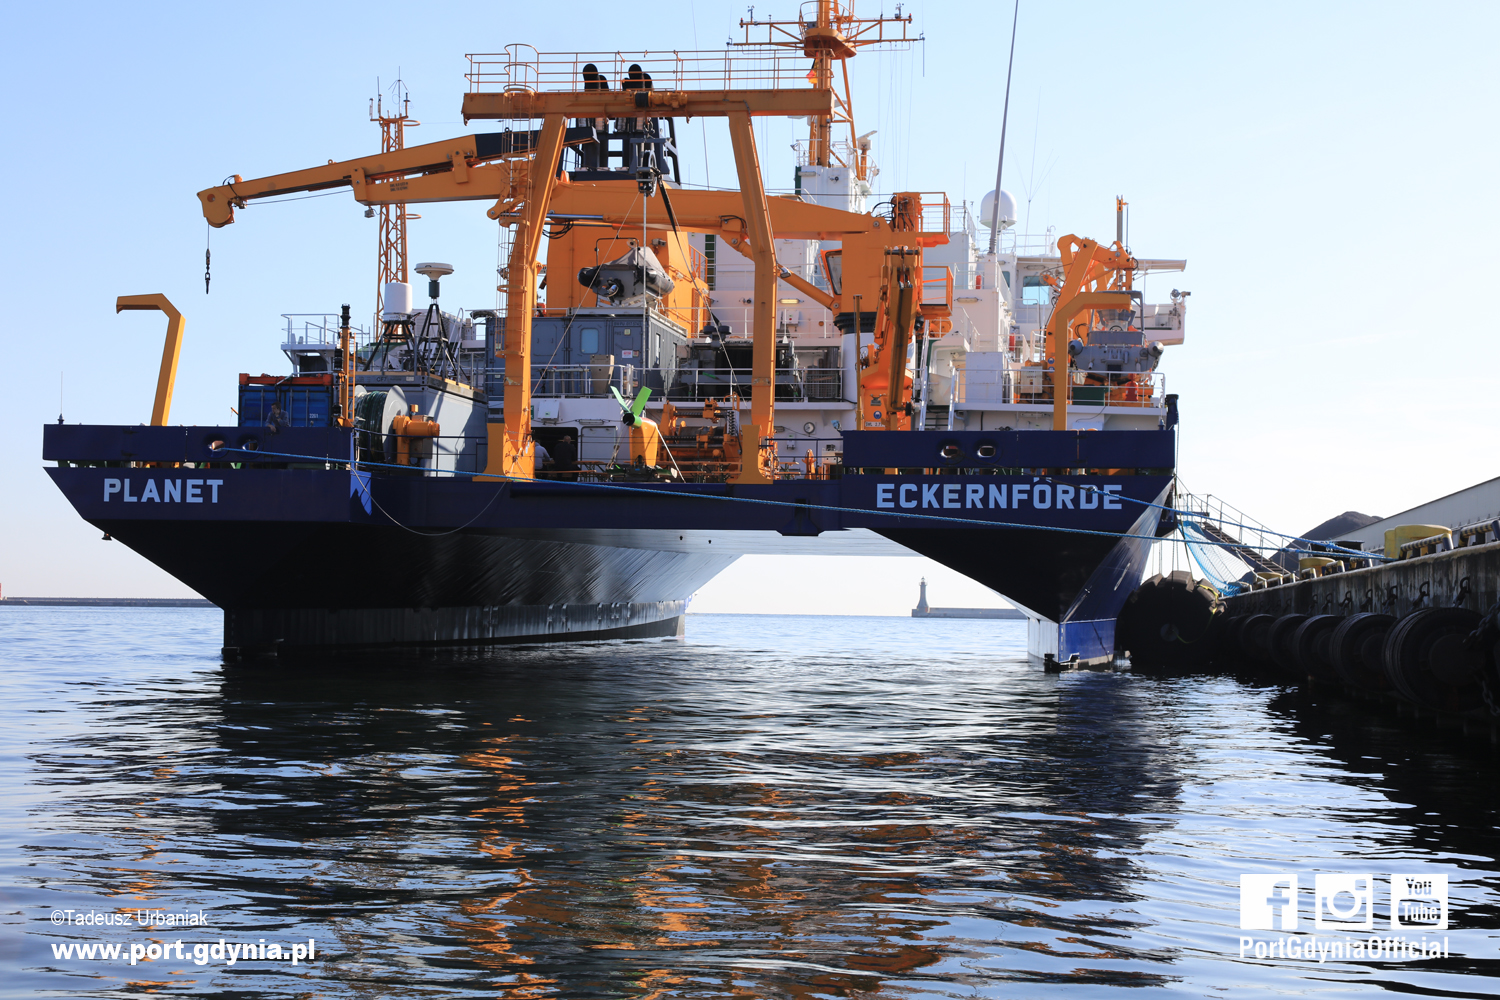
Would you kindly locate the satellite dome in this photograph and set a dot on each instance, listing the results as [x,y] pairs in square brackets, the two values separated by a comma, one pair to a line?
[1007,209]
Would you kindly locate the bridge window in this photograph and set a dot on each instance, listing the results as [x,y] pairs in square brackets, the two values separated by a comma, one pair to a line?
[1034,292]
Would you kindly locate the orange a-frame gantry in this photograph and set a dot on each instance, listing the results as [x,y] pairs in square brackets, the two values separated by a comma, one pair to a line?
[554,109]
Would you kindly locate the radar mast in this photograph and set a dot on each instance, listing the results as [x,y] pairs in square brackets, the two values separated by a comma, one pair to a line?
[393,217]
[833,35]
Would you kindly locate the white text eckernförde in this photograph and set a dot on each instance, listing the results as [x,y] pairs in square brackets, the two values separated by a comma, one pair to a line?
[1013,496]
[172,491]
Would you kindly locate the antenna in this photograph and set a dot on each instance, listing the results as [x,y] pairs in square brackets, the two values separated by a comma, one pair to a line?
[433,272]
[393,218]
[832,35]
[1004,121]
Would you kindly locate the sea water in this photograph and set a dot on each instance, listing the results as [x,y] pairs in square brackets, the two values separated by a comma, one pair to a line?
[769,807]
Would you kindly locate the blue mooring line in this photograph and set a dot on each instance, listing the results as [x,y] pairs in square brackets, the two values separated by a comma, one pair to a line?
[1296,538]
[968,522]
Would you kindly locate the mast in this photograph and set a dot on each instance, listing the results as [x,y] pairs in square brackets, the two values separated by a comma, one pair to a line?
[833,35]
[1004,121]
[393,217]
[820,128]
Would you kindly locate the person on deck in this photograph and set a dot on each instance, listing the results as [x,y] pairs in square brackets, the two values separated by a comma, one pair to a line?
[565,458]
[593,79]
[636,79]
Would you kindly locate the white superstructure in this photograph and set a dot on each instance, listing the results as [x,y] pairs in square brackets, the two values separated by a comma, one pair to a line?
[986,372]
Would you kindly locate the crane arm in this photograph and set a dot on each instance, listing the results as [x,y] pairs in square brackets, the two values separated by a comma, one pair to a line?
[619,203]
[462,169]
[456,169]
[741,243]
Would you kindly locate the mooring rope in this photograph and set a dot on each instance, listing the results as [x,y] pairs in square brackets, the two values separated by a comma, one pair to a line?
[791,504]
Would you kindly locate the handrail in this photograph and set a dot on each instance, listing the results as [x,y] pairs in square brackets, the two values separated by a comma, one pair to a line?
[937,212]
[522,67]
[937,286]
[680,383]
[1031,384]
[326,325]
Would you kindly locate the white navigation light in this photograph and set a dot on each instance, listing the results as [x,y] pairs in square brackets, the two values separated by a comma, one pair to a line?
[1007,209]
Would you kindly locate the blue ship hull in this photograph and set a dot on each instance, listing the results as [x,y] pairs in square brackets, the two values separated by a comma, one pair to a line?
[300,552]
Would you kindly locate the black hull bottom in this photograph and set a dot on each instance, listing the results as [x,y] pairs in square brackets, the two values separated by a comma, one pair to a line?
[255,632]
[1073,584]
[1042,571]
[326,559]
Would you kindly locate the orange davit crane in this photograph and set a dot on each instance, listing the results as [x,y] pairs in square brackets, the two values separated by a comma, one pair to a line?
[1094,277]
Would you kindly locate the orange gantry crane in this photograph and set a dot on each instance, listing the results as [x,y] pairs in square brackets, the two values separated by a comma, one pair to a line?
[520,173]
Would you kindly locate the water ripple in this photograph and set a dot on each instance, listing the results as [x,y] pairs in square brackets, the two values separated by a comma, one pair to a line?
[799,807]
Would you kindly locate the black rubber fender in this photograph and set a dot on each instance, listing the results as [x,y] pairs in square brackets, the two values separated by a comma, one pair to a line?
[1311,646]
[1279,646]
[1168,624]
[1425,658]
[1255,634]
[1225,630]
[1355,649]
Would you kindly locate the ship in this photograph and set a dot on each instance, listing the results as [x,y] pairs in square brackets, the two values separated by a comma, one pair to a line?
[672,377]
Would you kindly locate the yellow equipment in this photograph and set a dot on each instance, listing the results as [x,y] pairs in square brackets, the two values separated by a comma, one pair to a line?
[414,435]
[1404,533]
[166,379]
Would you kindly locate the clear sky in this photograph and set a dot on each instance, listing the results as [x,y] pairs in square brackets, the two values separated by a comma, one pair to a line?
[1328,169]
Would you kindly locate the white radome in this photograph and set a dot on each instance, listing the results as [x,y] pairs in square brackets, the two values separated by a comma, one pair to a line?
[395,300]
[1007,209]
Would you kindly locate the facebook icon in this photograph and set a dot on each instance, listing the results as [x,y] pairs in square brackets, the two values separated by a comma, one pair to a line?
[1268,902]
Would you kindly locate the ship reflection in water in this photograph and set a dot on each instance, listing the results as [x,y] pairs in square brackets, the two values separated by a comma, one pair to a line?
[798,807]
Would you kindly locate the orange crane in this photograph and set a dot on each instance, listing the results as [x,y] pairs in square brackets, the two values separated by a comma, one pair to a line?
[463,169]
[1094,277]
[519,172]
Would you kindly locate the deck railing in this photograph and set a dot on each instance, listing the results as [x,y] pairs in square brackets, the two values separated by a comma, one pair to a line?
[937,286]
[318,330]
[1033,385]
[523,68]
[937,212]
[810,385]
